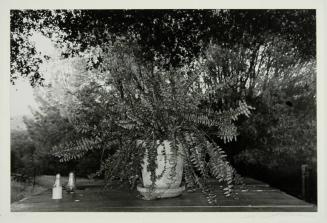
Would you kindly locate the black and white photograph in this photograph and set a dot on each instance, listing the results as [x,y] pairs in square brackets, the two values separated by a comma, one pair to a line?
[163,110]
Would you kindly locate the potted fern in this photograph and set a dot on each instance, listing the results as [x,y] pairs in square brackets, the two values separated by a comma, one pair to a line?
[155,118]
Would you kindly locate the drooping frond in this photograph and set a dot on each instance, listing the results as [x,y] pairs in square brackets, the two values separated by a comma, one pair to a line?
[75,149]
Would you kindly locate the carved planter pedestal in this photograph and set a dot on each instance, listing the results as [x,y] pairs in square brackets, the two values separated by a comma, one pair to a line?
[169,173]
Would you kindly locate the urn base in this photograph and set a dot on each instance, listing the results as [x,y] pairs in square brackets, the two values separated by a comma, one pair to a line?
[155,193]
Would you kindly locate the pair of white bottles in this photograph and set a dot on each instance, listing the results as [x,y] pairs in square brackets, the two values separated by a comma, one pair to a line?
[57,188]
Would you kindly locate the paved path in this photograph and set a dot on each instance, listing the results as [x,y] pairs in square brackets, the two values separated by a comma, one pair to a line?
[254,196]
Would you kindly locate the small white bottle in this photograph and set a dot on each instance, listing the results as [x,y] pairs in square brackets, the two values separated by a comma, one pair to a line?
[57,188]
[71,182]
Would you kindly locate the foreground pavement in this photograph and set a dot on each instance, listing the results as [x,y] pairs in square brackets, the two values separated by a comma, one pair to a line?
[253,196]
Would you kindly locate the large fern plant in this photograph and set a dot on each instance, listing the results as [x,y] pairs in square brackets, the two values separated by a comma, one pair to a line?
[124,100]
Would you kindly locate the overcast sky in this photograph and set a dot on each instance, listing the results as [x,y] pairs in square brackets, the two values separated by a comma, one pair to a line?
[21,97]
[21,94]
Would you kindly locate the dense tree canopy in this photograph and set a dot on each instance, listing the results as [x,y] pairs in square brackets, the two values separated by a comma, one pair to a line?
[170,37]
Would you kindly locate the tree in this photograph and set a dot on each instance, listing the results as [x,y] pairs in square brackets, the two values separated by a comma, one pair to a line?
[25,159]
[286,118]
[173,36]
[50,126]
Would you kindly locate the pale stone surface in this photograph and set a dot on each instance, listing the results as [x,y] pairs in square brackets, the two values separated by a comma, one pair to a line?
[169,173]
[170,167]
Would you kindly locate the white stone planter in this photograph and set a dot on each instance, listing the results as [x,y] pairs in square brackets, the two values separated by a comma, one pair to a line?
[169,173]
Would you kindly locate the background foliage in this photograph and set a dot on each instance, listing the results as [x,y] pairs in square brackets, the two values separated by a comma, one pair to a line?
[264,56]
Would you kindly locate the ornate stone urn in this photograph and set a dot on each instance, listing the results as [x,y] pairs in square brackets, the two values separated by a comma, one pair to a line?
[169,173]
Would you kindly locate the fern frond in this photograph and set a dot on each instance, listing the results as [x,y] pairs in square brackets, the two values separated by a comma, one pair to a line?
[227,132]
[75,149]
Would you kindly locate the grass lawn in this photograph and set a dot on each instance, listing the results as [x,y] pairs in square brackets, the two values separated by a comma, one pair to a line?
[20,190]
